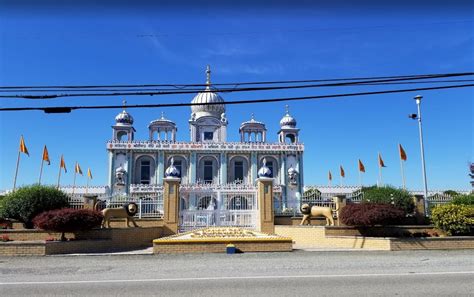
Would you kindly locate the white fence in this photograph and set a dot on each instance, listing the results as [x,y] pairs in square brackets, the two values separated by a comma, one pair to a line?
[195,219]
[149,205]
[230,205]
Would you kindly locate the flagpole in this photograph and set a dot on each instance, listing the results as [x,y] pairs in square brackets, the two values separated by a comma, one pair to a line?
[380,182]
[74,181]
[16,170]
[59,175]
[41,171]
[87,184]
[380,176]
[403,174]
[360,178]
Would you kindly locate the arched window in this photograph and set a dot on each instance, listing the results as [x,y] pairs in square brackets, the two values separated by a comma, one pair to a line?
[290,138]
[207,170]
[122,135]
[144,170]
[238,170]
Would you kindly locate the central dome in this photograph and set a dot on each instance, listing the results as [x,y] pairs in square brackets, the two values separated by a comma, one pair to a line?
[206,97]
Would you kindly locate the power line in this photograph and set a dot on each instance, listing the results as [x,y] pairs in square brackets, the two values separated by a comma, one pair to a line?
[226,90]
[66,109]
[432,75]
[200,90]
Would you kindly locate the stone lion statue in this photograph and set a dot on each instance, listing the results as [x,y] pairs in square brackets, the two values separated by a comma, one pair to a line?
[317,211]
[126,212]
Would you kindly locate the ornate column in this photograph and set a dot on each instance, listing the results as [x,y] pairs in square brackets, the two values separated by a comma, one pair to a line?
[111,171]
[266,221]
[161,167]
[192,168]
[253,167]
[171,197]
[157,168]
[130,171]
[171,205]
[223,173]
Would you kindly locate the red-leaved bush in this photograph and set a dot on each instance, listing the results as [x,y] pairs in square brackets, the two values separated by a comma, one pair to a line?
[68,220]
[370,214]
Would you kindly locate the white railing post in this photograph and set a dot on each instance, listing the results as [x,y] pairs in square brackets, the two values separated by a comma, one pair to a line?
[140,207]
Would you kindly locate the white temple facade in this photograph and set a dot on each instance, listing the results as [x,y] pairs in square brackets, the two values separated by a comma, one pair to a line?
[208,157]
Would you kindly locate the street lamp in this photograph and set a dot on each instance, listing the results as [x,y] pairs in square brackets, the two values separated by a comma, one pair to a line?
[422,149]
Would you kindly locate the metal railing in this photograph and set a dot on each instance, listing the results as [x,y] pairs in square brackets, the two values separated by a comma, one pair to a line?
[195,219]
[149,205]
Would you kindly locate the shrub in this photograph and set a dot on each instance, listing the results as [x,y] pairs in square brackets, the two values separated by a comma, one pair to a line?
[370,214]
[463,199]
[451,193]
[27,202]
[401,198]
[453,219]
[68,220]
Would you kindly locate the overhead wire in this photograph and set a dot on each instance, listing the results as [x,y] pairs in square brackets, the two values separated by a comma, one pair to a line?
[240,83]
[231,90]
[65,109]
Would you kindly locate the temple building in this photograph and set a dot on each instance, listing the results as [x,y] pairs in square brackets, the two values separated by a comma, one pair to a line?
[208,158]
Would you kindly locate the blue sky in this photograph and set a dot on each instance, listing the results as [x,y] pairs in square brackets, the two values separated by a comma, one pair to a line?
[57,44]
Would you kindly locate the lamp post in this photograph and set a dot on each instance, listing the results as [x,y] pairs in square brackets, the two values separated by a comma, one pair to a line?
[422,149]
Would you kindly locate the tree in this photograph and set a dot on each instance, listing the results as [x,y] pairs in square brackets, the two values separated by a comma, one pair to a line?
[389,195]
[27,202]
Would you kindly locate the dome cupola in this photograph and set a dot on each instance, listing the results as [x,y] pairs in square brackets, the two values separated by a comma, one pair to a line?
[210,100]
[287,121]
[252,131]
[124,118]
[123,129]
[162,129]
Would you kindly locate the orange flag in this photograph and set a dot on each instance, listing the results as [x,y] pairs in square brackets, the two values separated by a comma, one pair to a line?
[343,174]
[403,155]
[78,169]
[330,175]
[46,155]
[89,173]
[361,166]
[381,163]
[23,148]
[63,164]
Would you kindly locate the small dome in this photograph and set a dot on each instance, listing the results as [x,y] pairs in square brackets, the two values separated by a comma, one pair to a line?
[172,171]
[124,118]
[161,121]
[208,96]
[264,171]
[253,123]
[288,121]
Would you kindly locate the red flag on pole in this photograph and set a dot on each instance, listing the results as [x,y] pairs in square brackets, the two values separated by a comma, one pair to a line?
[23,148]
[343,174]
[361,166]
[381,163]
[46,155]
[403,155]
[63,164]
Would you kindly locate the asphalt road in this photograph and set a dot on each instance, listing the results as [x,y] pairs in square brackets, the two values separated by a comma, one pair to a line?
[421,273]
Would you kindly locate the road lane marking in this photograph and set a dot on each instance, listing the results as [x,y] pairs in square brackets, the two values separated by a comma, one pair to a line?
[237,278]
